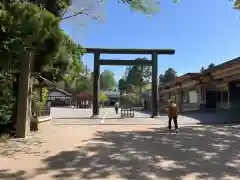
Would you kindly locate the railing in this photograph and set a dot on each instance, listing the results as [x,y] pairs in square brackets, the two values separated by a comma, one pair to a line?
[45,111]
[63,98]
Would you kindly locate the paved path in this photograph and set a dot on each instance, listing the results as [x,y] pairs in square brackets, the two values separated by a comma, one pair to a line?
[82,116]
[76,113]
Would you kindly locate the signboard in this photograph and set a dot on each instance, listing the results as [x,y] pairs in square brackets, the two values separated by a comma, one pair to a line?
[222,87]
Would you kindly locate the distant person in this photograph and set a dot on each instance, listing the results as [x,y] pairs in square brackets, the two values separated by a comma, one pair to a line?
[116,106]
[172,111]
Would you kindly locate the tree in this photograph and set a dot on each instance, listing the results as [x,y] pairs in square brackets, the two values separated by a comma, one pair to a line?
[135,78]
[107,80]
[84,84]
[148,7]
[34,37]
[145,72]
[202,69]
[102,97]
[139,74]
[211,65]
[60,8]
[22,38]
[237,4]
[169,75]
[161,79]
[121,85]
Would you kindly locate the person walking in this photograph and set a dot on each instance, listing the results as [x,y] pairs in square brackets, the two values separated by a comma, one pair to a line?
[172,111]
[116,106]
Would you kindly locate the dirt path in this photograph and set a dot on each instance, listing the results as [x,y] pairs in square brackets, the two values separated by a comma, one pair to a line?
[123,152]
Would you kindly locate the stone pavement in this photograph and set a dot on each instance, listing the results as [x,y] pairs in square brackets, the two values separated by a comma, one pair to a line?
[82,116]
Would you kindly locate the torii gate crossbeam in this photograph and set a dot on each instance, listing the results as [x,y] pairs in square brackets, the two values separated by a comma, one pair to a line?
[154,63]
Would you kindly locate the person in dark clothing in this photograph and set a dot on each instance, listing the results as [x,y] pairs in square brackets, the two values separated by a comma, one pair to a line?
[172,111]
[116,106]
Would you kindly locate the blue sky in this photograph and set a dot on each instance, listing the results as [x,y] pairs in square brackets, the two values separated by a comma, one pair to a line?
[201,31]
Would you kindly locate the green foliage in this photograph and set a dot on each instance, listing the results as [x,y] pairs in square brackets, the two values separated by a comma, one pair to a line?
[211,65]
[237,4]
[121,85]
[102,97]
[26,28]
[56,7]
[129,100]
[7,99]
[107,80]
[44,97]
[202,69]
[146,6]
[35,30]
[83,83]
[135,78]
[169,75]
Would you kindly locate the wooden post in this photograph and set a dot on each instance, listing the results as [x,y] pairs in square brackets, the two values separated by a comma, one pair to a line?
[96,74]
[229,105]
[141,83]
[23,120]
[180,98]
[154,85]
[221,99]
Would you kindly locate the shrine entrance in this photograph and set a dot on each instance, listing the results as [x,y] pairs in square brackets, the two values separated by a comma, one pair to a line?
[116,62]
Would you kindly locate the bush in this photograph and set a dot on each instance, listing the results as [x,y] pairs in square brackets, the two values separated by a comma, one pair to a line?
[130,100]
[8,98]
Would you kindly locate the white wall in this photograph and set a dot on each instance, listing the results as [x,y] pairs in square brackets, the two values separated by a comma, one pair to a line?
[113,94]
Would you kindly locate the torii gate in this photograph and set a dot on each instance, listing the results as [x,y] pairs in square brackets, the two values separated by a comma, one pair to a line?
[154,63]
[23,113]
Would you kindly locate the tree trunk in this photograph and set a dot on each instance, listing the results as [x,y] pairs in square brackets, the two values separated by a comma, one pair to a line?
[23,119]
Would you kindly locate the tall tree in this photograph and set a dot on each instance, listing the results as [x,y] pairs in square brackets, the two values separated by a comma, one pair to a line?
[135,78]
[161,79]
[211,65]
[102,97]
[169,75]
[107,80]
[121,85]
[237,4]
[36,39]
[145,72]
[202,69]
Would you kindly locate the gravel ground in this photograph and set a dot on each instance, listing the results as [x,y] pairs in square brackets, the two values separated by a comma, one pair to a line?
[64,149]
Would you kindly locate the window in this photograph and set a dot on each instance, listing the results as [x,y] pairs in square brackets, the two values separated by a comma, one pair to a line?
[225,96]
[219,96]
[193,96]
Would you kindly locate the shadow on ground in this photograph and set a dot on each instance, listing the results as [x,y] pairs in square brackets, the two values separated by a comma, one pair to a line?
[195,153]
[12,146]
[205,117]
[7,175]
[213,117]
